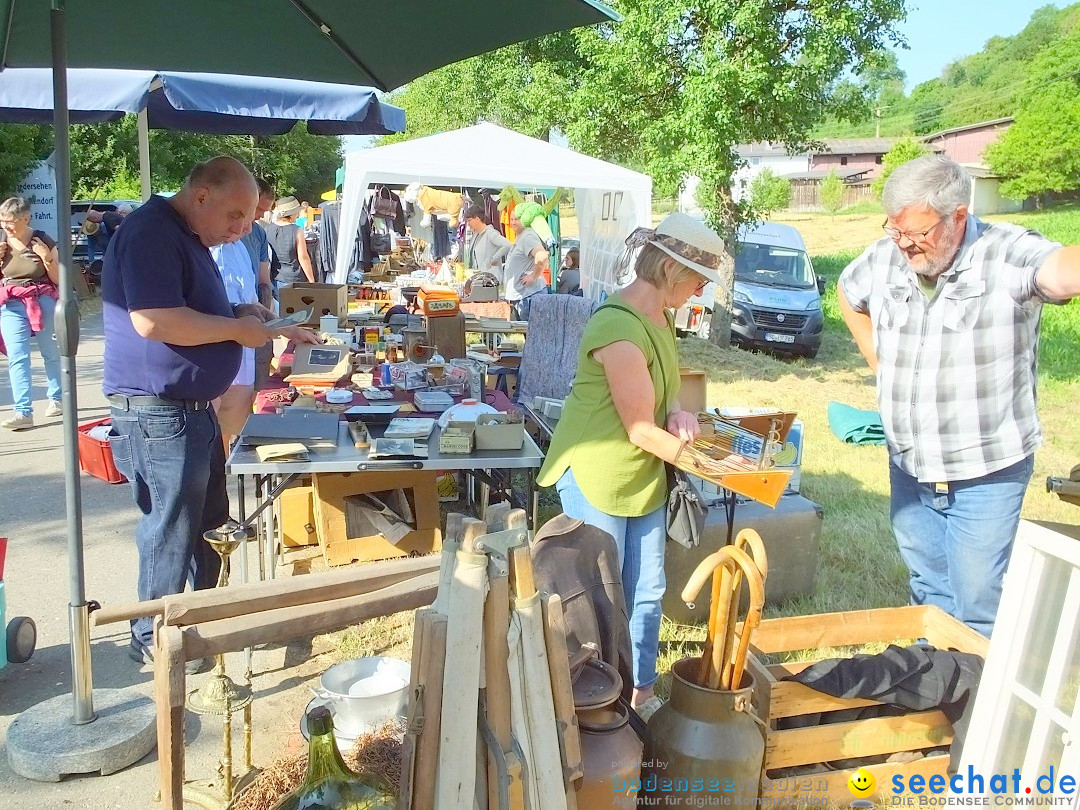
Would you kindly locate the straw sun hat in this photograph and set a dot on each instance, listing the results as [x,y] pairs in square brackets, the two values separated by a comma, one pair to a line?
[286,207]
[687,240]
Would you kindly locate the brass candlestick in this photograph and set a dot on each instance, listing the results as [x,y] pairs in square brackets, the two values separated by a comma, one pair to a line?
[220,695]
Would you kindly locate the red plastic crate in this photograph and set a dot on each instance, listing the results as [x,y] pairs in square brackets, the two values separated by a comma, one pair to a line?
[95,457]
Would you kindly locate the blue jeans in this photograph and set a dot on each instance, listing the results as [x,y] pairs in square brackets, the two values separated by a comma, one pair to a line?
[175,462]
[957,545]
[640,543]
[524,306]
[15,327]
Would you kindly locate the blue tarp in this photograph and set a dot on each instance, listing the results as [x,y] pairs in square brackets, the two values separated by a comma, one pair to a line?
[200,102]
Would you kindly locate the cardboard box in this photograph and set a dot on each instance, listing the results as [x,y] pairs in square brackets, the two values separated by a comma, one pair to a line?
[458,437]
[330,492]
[495,431]
[296,516]
[692,392]
[325,299]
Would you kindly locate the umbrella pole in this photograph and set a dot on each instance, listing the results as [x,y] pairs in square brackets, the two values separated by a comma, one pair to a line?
[144,153]
[67,336]
[63,735]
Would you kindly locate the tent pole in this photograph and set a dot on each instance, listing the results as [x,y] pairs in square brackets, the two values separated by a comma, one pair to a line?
[144,153]
[67,335]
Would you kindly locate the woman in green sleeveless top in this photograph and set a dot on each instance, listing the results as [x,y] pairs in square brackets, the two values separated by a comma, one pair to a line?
[622,420]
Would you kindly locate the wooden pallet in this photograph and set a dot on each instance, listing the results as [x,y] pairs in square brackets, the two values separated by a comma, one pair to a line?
[791,749]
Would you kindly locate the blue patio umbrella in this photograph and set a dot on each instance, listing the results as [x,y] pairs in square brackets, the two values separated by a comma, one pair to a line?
[197,102]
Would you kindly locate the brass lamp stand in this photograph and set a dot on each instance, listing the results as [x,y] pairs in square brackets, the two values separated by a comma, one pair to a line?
[220,695]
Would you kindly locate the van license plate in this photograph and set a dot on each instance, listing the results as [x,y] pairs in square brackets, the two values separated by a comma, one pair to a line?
[775,338]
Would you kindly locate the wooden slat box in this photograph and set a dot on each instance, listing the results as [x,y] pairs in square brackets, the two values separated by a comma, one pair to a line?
[775,699]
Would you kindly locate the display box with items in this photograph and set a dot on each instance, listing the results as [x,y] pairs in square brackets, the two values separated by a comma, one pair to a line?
[500,431]
[323,299]
[458,438]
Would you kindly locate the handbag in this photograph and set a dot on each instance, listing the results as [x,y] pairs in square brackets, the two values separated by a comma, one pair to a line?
[686,508]
[386,204]
[381,244]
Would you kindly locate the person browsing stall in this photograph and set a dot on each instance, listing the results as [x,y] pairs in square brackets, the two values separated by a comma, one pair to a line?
[173,343]
[288,244]
[489,247]
[622,420]
[526,262]
[29,274]
[946,310]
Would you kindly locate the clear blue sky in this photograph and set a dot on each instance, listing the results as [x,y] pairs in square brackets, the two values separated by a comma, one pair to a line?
[941,31]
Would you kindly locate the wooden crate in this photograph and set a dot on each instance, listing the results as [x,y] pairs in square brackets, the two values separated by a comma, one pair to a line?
[330,491]
[790,748]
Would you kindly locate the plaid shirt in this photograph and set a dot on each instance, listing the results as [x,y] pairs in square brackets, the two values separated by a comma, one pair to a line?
[957,370]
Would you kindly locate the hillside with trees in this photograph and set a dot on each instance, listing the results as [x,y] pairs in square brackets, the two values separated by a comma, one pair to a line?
[994,83]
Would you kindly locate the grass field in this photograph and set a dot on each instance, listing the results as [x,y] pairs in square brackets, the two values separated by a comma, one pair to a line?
[859,565]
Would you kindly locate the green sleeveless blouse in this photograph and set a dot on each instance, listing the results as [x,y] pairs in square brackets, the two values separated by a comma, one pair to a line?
[615,476]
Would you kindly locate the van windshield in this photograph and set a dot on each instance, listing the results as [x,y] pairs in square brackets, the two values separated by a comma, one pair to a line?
[774,266]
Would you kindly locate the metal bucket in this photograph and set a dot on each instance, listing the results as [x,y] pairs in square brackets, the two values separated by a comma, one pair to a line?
[364,693]
[705,746]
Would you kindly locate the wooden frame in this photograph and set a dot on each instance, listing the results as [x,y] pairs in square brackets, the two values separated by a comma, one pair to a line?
[776,698]
[203,623]
[1033,665]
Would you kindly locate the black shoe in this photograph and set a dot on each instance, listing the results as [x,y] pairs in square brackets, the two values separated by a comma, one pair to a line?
[142,654]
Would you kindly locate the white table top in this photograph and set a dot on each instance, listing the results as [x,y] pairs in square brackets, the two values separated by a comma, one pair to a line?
[346,458]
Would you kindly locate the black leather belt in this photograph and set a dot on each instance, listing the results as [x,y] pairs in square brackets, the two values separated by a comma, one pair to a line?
[127,403]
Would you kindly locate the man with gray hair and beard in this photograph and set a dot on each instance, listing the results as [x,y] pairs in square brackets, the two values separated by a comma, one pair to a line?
[946,310]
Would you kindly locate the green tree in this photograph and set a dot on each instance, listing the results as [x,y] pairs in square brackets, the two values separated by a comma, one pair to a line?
[105,158]
[832,192]
[524,87]
[1040,152]
[21,146]
[676,86]
[902,151]
[769,193]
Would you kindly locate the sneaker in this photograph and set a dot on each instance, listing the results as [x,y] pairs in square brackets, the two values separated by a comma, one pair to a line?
[54,409]
[18,422]
[142,654]
[648,708]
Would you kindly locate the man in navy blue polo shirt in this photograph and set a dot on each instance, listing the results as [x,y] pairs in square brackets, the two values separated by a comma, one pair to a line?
[172,344]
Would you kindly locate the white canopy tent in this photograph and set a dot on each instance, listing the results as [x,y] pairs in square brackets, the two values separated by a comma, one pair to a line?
[611,201]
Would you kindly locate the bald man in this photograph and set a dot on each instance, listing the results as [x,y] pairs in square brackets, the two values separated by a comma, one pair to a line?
[173,344]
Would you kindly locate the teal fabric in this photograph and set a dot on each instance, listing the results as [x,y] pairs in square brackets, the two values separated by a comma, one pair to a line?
[855,426]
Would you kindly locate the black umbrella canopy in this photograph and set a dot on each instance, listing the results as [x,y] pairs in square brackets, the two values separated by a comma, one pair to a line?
[383,44]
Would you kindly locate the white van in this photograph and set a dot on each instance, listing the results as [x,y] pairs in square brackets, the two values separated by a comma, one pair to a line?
[777,300]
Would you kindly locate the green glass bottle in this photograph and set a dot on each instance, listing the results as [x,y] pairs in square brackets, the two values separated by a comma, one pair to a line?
[329,784]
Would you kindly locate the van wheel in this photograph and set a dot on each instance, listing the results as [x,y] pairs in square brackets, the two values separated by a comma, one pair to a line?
[21,639]
[706,327]
[810,354]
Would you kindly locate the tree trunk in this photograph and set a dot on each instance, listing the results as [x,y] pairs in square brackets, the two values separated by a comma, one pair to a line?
[720,331]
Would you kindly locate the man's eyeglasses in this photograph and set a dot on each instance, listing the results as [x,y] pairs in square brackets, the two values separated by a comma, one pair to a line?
[915,237]
[700,288]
